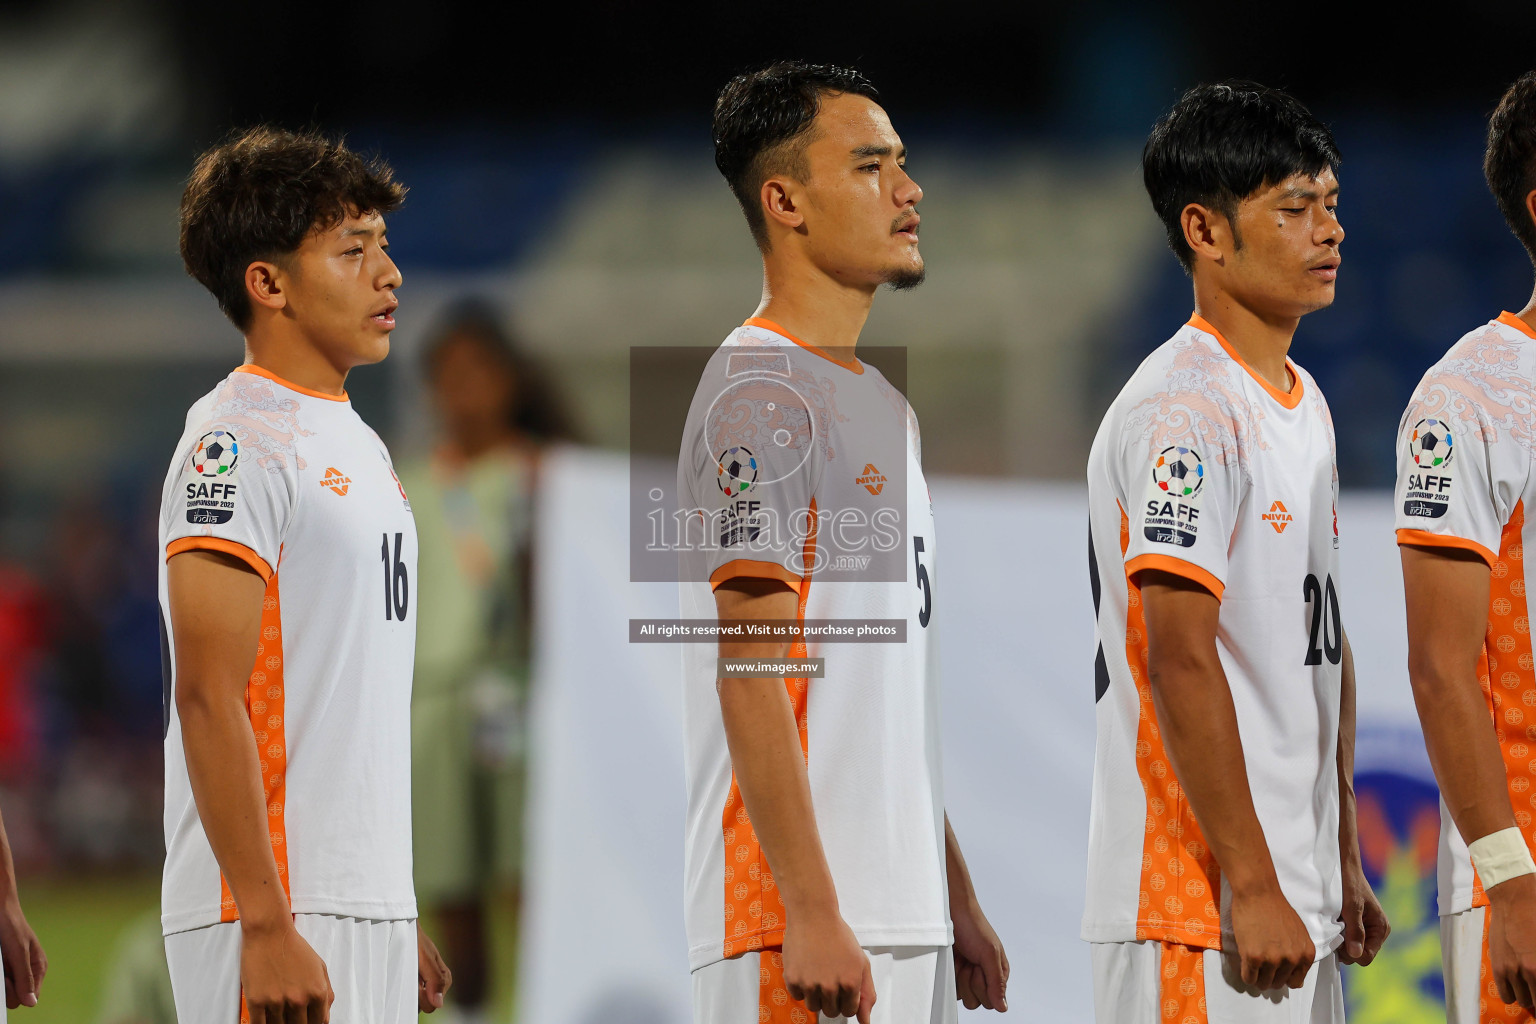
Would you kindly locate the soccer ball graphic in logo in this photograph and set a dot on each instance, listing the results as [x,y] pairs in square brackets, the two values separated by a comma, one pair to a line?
[1430,444]
[216,454]
[1178,471]
[738,471]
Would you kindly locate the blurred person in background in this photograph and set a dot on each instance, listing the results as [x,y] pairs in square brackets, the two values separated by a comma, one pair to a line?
[473,498]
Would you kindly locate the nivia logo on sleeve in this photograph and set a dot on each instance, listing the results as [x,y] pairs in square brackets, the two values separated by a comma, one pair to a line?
[1173,497]
[1431,447]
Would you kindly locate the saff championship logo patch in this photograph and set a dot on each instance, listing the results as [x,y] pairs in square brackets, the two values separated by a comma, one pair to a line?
[1172,513]
[210,477]
[216,455]
[737,471]
[1431,446]
[1179,472]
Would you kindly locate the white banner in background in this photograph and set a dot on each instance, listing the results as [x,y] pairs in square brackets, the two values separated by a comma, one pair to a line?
[602,937]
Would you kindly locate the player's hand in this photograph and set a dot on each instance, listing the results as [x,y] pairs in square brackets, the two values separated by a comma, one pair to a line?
[1365,923]
[981,966]
[283,979]
[25,962]
[826,969]
[1512,940]
[433,977]
[1272,942]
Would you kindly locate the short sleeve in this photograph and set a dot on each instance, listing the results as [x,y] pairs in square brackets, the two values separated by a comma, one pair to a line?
[753,468]
[225,499]
[1183,487]
[1457,482]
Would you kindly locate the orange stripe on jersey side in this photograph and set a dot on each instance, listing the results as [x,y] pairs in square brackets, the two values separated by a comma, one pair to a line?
[264,699]
[774,1003]
[1181,996]
[1509,678]
[754,906]
[1177,901]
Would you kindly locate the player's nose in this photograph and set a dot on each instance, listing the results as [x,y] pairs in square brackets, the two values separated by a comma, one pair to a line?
[391,276]
[908,191]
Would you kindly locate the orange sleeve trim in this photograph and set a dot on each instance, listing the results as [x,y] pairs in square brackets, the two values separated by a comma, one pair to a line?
[1509,319]
[1290,399]
[1425,539]
[228,547]
[290,385]
[769,325]
[1177,566]
[754,569]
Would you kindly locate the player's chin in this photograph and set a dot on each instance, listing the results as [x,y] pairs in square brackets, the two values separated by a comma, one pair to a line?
[907,275]
[370,348]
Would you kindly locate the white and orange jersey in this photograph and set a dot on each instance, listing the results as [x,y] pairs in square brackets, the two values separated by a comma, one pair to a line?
[1203,469]
[1464,479]
[295,484]
[799,467]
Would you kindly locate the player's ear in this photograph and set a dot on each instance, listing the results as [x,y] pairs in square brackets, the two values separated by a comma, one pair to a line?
[779,204]
[263,285]
[1206,231]
[1530,205]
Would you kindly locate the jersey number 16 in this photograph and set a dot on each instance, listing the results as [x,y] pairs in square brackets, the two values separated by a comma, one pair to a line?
[397,582]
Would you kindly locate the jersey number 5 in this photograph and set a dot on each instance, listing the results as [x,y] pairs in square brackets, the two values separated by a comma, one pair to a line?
[922,582]
[397,582]
[1323,600]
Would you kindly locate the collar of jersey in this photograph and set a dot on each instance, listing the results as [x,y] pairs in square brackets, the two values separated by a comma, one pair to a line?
[1290,399]
[290,385]
[1509,319]
[769,325]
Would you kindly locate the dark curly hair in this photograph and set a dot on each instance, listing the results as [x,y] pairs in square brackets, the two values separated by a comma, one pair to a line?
[1222,143]
[258,195]
[1510,161]
[762,124]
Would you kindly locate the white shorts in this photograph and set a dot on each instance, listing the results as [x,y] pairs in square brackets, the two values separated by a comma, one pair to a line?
[1165,983]
[1462,948]
[371,964]
[913,985]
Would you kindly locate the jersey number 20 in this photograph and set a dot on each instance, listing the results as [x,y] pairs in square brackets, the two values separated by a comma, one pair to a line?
[1323,601]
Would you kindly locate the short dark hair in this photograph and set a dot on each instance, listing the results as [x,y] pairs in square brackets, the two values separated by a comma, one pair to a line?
[1222,143]
[257,195]
[538,407]
[1510,161]
[761,125]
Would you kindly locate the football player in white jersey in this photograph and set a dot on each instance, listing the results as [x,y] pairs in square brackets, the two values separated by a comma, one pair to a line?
[288,847]
[1466,451]
[821,871]
[1224,867]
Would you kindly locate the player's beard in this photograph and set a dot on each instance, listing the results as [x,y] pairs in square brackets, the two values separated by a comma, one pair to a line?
[906,278]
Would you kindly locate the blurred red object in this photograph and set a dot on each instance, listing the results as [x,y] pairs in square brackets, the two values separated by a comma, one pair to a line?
[23,634]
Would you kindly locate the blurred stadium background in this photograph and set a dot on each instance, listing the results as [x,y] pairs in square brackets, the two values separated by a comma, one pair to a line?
[560,167]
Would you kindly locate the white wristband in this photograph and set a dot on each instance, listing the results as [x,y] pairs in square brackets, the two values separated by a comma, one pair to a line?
[1500,856]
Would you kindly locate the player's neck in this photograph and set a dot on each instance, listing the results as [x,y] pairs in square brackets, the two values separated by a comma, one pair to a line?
[1263,342]
[814,307]
[293,359]
[1528,314]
